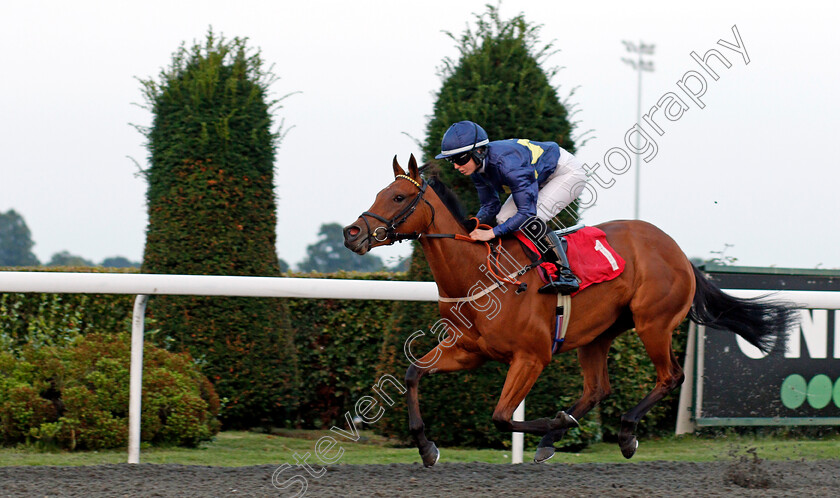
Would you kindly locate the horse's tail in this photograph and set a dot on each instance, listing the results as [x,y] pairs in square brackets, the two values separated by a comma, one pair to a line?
[763,323]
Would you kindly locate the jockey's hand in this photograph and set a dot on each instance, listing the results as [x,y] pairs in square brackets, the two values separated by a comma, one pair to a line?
[482,235]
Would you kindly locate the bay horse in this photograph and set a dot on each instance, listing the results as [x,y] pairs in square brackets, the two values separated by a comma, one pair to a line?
[658,288]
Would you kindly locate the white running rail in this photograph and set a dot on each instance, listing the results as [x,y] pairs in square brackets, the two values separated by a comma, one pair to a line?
[145,285]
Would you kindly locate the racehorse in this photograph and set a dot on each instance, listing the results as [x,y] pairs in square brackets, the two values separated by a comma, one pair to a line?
[658,288]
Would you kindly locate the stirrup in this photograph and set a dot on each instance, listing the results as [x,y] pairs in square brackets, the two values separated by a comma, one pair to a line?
[564,282]
[560,287]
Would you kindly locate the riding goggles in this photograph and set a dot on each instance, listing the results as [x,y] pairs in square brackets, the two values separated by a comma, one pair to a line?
[460,159]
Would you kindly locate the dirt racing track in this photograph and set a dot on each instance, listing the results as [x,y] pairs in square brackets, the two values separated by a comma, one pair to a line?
[765,478]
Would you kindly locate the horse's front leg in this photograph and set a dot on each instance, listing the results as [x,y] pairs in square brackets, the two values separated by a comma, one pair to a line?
[523,373]
[441,359]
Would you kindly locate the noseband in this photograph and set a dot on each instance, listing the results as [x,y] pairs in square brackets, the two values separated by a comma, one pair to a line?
[388,231]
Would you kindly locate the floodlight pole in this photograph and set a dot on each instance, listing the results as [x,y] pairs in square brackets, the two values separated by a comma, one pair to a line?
[639,65]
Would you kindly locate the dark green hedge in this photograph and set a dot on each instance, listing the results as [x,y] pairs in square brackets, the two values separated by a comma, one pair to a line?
[212,211]
[76,396]
[64,374]
[57,319]
[338,345]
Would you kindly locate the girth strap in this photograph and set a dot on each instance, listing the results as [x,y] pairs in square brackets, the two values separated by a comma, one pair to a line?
[561,324]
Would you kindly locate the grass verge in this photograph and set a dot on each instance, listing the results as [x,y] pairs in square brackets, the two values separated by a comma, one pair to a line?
[237,448]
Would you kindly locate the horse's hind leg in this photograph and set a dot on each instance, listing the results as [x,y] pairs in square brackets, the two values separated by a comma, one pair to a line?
[596,387]
[439,360]
[669,376]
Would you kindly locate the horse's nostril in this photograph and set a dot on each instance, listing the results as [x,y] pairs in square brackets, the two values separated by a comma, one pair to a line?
[353,231]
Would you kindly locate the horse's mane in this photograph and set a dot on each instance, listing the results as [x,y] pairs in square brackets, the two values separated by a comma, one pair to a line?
[448,197]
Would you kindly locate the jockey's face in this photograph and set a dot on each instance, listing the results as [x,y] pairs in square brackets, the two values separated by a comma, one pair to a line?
[468,168]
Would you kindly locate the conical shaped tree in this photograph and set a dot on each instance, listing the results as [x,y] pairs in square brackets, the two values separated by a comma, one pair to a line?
[212,210]
[15,241]
[499,81]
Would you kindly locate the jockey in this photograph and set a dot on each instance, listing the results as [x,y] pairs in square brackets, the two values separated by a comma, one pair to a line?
[541,177]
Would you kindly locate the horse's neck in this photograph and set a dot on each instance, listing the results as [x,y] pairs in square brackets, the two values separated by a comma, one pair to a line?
[454,263]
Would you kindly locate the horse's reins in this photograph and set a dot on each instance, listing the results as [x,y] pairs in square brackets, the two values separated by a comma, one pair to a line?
[390,233]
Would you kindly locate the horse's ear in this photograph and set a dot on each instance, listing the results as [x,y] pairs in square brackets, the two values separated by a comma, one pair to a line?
[397,168]
[413,172]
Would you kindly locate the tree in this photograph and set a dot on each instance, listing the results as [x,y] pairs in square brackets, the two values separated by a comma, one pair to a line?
[212,210]
[500,81]
[64,258]
[328,254]
[15,241]
[402,265]
[118,262]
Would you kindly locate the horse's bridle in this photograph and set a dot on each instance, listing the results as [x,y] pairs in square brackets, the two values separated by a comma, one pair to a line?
[391,234]
[389,230]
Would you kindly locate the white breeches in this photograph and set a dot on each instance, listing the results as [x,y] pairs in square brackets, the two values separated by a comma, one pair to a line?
[562,187]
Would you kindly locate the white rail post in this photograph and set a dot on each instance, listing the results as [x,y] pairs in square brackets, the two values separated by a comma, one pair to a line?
[136,378]
[685,423]
[518,443]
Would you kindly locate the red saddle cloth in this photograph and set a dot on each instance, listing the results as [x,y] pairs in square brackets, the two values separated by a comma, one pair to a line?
[591,257]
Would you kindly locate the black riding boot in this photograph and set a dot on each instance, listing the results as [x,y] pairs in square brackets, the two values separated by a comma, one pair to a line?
[565,282]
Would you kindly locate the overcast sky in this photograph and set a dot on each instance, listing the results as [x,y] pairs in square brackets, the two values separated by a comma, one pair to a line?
[756,167]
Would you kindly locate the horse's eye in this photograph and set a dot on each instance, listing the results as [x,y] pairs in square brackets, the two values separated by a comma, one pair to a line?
[399,198]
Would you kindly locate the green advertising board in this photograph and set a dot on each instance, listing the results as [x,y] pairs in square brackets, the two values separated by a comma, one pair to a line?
[736,384]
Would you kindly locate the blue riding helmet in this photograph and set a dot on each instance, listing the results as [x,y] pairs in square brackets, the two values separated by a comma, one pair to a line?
[461,137]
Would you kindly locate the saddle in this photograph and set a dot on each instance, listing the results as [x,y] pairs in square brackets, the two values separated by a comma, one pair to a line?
[591,257]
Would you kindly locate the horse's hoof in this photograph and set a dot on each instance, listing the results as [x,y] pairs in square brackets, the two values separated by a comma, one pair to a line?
[544,453]
[430,456]
[629,446]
